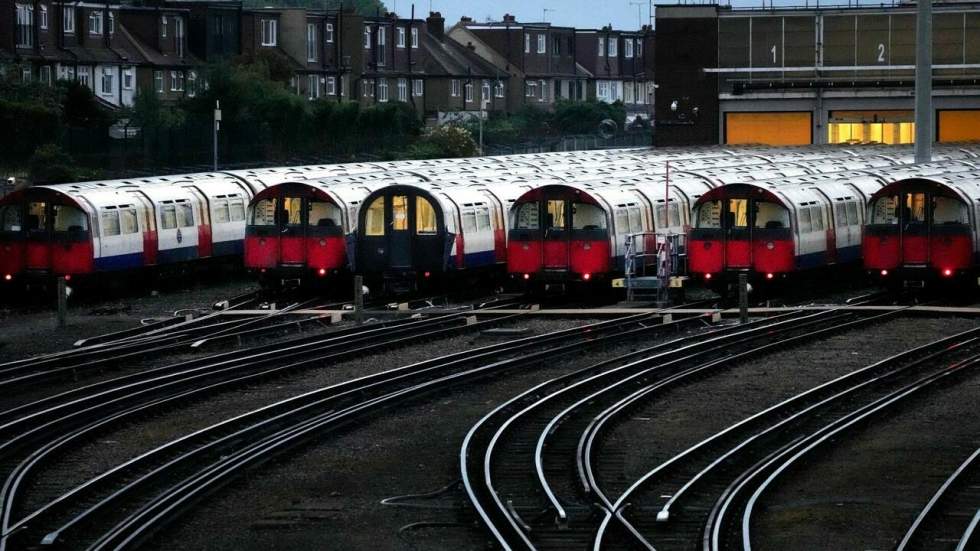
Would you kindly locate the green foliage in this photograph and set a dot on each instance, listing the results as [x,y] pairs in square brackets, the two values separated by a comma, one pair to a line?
[82,109]
[51,165]
[27,125]
[568,118]
[444,142]
[584,117]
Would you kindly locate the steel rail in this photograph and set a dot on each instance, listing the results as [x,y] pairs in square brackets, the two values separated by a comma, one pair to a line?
[930,509]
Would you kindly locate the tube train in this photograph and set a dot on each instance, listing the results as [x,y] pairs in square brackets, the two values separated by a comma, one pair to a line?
[925,229]
[576,231]
[775,228]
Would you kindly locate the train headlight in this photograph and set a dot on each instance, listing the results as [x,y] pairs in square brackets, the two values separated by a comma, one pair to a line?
[427,274]
[884,273]
[67,277]
[770,245]
[8,277]
[707,276]
[586,277]
[322,272]
[947,272]
[770,275]
[527,276]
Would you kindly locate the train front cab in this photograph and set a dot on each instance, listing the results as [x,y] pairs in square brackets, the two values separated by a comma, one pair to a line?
[740,228]
[558,235]
[404,239]
[12,240]
[918,232]
[295,232]
[44,234]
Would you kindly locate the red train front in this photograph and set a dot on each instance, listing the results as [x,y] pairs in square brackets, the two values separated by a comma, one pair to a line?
[919,230]
[741,228]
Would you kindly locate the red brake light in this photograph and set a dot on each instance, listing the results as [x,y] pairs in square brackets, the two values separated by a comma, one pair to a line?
[586,277]
[884,273]
[527,276]
[67,277]
[947,272]
[427,274]
[8,277]
[707,276]
[770,275]
[322,271]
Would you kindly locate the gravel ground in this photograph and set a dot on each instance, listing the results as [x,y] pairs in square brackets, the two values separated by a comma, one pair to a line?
[867,488]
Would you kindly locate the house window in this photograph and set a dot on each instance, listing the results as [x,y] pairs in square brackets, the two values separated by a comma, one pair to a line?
[485,91]
[158,81]
[400,40]
[542,44]
[95,22]
[531,89]
[639,47]
[127,78]
[367,37]
[112,23]
[163,26]
[179,36]
[68,19]
[527,43]
[602,47]
[25,74]
[498,90]
[469,92]
[66,72]
[383,90]
[176,81]
[192,83]
[381,45]
[269,27]
[311,44]
[25,26]
[544,90]
[418,88]
[556,46]
[84,76]
[367,87]
[629,95]
[455,89]
[45,74]
[107,81]
[312,86]
[628,48]
[44,18]
[343,85]
[331,86]
[402,89]
[415,37]
[613,46]
[329,33]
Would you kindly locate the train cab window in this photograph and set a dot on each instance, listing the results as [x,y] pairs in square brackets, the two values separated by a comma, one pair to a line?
[236,209]
[168,217]
[708,215]
[68,218]
[323,214]
[185,215]
[264,213]
[661,217]
[425,217]
[948,210]
[127,221]
[374,218]
[556,214]
[884,210]
[10,218]
[806,226]
[220,214]
[674,213]
[526,217]
[110,222]
[399,212]
[292,211]
[853,218]
[915,208]
[738,213]
[770,216]
[37,216]
[587,217]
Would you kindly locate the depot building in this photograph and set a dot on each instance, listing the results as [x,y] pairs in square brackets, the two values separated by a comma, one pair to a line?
[795,76]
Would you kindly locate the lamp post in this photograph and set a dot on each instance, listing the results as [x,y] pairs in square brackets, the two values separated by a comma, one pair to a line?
[217,125]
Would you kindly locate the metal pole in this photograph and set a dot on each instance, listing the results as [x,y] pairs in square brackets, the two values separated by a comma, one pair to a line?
[481,134]
[743,297]
[62,301]
[217,123]
[923,82]
[359,299]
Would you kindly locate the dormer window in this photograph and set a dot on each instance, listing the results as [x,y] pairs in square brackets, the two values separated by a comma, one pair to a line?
[329,33]
[68,19]
[367,38]
[163,26]
[44,18]
[95,22]
[269,32]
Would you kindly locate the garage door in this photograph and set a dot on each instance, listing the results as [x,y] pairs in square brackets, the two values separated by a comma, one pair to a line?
[783,128]
[959,126]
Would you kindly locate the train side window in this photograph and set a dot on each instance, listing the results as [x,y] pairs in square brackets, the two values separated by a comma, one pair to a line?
[948,210]
[770,216]
[469,221]
[587,217]
[168,217]
[68,218]
[738,213]
[622,220]
[708,215]
[185,215]
[292,211]
[816,218]
[527,216]
[37,216]
[840,213]
[661,217]
[805,225]
[674,212]
[483,219]
[221,214]
[264,213]
[556,214]
[425,217]
[374,218]
[399,212]
[884,210]
[236,208]
[128,223]
[636,224]
[323,214]
[110,223]
[853,218]
[10,218]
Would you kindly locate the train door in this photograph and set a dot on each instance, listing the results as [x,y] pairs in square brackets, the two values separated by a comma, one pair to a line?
[201,206]
[400,236]
[38,232]
[842,227]
[292,231]
[120,243]
[557,234]
[176,231]
[913,228]
[738,233]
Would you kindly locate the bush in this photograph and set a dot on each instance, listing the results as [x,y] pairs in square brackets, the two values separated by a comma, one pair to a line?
[579,117]
[444,142]
[27,125]
[51,165]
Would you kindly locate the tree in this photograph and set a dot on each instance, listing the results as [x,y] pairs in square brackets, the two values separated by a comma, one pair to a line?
[51,165]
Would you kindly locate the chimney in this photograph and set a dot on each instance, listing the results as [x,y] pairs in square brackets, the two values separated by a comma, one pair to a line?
[436,25]
[508,18]
[465,20]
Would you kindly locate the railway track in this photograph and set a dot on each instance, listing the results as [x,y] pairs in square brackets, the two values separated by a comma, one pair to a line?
[951,518]
[220,451]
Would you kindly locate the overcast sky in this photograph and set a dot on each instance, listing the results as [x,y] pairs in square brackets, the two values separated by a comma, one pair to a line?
[586,14]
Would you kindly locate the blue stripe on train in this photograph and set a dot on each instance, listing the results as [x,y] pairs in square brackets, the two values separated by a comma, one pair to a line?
[480,259]
[182,254]
[235,247]
[119,262]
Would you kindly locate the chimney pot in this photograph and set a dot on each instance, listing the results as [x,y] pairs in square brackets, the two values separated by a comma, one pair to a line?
[436,25]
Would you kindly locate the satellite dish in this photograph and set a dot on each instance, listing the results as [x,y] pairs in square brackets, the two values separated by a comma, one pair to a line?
[608,128]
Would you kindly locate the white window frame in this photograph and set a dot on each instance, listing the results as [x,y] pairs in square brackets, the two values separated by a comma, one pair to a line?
[400,37]
[25,26]
[95,22]
[544,90]
[639,47]
[331,86]
[112,23]
[179,35]
[26,74]
[542,43]
[68,19]
[454,88]
[383,90]
[402,89]
[163,26]
[527,43]
[84,76]
[176,81]
[106,79]
[468,92]
[418,88]
[498,89]
[191,83]
[158,83]
[602,47]
[367,38]
[628,48]
[312,86]
[329,33]
[311,43]
[367,88]
[485,91]
[270,28]
[530,89]
[44,18]
[382,42]
[44,74]
[415,37]
[613,46]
